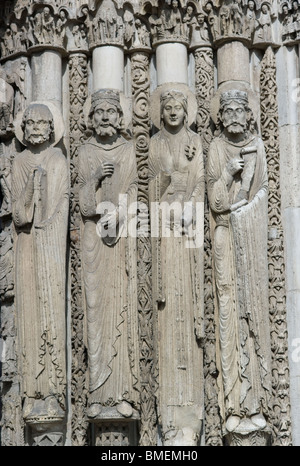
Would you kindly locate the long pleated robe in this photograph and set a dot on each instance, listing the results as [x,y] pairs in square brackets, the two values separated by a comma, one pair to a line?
[178,283]
[109,275]
[241,281]
[40,267]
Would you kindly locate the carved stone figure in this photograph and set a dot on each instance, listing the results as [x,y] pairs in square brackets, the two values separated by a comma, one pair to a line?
[142,35]
[108,24]
[212,20]
[250,19]
[6,103]
[107,184]
[176,180]
[199,30]
[60,28]
[263,31]
[236,14]
[40,193]
[238,196]
[171,21]
[47,26]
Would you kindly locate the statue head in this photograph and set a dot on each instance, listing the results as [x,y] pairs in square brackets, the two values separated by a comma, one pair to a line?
[235,116]
[37,124]
[173,109]
[106,115]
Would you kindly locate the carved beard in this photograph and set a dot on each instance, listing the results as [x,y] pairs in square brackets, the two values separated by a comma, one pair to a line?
[105,130]
[36,139]
[235,128]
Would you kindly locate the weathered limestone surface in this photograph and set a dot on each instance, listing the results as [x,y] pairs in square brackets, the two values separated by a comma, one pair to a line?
[113,331]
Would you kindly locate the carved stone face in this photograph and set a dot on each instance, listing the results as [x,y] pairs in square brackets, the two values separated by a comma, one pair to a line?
[106,119]
[37,127]
[200,18]
[234,117]
[175,4]
[173,114]
[251,5]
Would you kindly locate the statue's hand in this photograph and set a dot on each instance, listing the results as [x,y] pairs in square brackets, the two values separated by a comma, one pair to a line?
[105,169]
[234,166]
[39,174]
[188,215]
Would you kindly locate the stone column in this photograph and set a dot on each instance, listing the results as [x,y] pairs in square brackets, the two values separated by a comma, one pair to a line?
[204,86]
[140,62]
[47,76]
[287,62]
[108,67]
[233,63]
[172,63]
[78,92]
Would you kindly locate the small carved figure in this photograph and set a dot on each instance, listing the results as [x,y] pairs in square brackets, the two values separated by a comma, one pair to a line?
[237,186]
[263,31]
[108,22]
[295,11]
[6,103]
[171,20]
[236,14]
[142,34]
[40,202]
[212,20]
[176,181]
[199,29]
[187,19]
[47,27]
[61,28]
[107,184]
[250,19]
[88,24]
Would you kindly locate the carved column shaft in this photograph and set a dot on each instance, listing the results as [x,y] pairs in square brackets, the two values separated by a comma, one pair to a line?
[277,296]
[204,84]
[141,124]
[78,95]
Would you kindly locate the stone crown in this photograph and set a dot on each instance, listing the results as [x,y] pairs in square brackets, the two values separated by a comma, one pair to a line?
[233,94]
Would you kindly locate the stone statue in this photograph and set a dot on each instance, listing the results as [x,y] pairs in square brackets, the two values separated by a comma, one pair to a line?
[176,180]
[263,32]
[199,30]
[40,202]
[238,196]
[47,26]
[6,103]
[107,184]
[172,20]
[250,19]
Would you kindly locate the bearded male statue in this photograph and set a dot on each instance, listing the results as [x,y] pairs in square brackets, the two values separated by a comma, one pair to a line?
[238,196]
[40,203]
[107,185]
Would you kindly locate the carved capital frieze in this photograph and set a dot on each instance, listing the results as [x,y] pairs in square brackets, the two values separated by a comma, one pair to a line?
[289,15]
[248,21]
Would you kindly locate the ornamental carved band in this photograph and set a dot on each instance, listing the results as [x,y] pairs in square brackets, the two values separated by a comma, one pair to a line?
[149,223]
